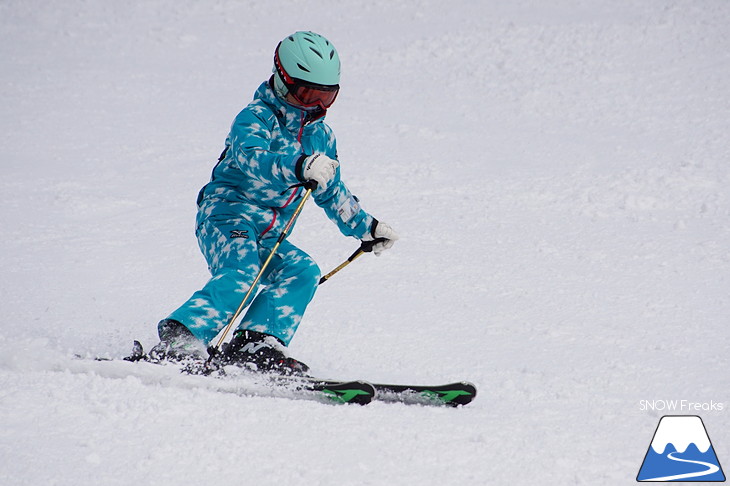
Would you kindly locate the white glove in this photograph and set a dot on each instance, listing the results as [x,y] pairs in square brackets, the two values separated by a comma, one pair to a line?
[381,230]
[320,168]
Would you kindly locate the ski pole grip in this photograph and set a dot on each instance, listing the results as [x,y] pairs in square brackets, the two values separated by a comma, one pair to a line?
[367,246]
[311,184]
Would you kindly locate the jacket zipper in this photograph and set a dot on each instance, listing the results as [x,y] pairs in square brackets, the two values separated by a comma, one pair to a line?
[301,128]
[296,191]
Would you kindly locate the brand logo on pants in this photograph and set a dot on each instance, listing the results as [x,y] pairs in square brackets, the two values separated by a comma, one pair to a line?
[239,234]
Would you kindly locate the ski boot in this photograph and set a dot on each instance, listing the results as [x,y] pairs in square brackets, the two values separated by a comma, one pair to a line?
[260,352]
[177,343]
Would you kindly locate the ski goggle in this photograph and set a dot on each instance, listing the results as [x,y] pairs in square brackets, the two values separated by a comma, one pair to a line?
[307,94]
[310,95]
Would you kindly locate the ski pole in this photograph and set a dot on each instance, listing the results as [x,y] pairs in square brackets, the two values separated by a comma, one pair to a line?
[310,186]
[365,247]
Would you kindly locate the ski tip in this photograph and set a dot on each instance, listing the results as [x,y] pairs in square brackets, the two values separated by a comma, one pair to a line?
[464,392]
[469,386]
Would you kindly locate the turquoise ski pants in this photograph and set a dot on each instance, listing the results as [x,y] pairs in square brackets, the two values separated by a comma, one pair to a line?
[235,256]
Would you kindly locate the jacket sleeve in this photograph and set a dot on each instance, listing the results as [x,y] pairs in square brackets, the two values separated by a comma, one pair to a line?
[339,204]
[343,208]
[251,143]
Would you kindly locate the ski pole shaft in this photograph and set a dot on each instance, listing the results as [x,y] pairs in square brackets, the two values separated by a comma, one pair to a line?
[365,247]
[310,185]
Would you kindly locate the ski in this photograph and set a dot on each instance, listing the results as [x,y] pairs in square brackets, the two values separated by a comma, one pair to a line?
[246,382]
[452,394]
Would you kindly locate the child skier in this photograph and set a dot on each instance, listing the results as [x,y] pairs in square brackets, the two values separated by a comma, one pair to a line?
[278,141]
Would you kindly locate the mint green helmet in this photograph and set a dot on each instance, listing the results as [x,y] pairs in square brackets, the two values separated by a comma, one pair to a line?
[307,59]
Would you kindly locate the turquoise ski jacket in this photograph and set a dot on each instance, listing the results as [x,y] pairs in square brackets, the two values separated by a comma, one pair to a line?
[263,159]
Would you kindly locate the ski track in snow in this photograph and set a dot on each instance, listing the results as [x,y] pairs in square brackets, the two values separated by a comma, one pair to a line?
[558,175]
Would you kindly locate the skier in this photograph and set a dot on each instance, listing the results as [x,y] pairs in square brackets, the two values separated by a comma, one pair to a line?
[278,141]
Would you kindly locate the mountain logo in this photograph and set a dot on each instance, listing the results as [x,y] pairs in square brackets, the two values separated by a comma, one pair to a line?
[681,451]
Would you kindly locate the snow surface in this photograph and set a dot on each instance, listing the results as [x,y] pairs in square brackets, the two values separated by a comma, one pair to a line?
[558,173]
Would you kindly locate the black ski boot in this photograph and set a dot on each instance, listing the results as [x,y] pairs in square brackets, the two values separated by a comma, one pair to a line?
[260,352]
[177,343]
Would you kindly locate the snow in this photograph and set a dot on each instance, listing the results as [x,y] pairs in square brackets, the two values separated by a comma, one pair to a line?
[557,171]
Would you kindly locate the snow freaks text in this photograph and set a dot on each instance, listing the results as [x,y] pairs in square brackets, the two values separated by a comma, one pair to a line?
[687,406]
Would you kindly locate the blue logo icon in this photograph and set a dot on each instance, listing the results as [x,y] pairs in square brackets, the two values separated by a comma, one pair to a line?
[681,451]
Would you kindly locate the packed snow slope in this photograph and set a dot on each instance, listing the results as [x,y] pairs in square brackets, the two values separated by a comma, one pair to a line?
[559,176]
